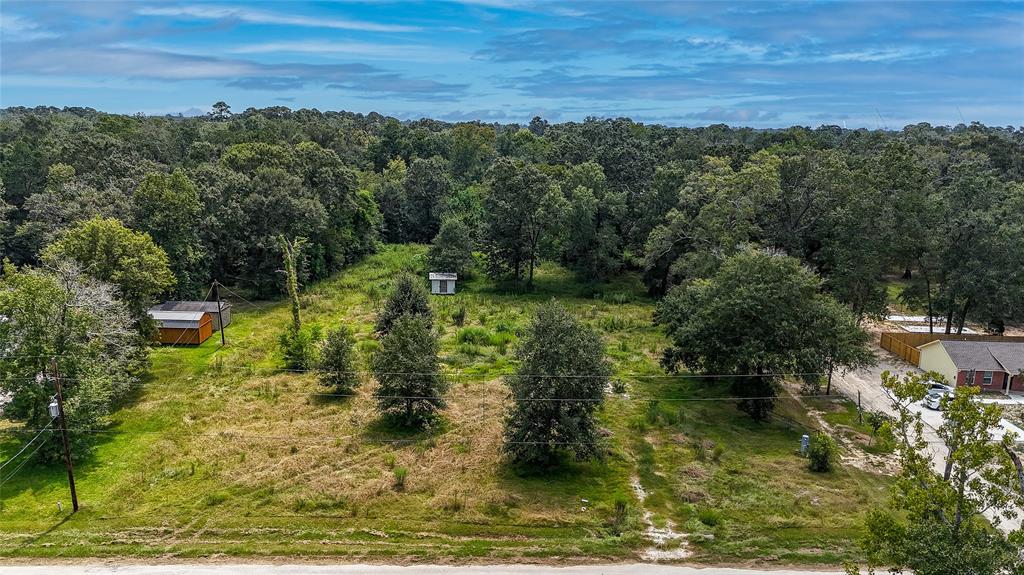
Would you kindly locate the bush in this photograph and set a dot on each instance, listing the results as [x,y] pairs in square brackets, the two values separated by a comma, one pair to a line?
[400,474]
[620,514]
[822,453]
[652,411]
[459,316]
[474,335]
[301,348]
[620,298]
[709,517]
[500,339]
[876,419]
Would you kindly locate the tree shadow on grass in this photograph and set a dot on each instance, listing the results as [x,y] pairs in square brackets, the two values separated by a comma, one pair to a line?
[391,429]
[329,397]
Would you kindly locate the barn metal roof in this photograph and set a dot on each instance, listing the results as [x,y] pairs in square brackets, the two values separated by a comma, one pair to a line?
[190,306]
[164,315]
[443,276]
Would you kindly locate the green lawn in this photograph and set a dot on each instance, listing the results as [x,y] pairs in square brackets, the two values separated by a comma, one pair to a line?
[221,453]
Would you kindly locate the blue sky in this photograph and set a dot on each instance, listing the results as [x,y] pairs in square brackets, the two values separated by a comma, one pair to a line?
[756,64]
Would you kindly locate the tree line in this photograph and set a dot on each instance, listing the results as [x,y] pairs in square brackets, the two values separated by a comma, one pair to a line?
[940,206]
[722,223]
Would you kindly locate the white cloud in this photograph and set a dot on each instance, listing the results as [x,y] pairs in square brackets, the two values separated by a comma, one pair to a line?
[370,50]
[881,55]
[209,12]
[14,28]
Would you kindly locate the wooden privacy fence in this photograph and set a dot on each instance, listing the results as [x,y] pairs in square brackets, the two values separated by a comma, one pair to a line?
[905,344]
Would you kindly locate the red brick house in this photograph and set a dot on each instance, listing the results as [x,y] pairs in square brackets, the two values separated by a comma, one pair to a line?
[994,366]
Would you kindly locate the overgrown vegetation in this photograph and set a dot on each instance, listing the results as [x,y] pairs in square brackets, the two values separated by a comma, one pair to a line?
[224,437]
[769,248]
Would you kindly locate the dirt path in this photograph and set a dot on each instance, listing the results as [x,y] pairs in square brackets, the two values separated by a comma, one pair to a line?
[852,453]
[668,544]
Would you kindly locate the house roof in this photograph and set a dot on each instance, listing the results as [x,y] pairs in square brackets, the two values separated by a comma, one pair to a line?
[443,276]
[986,355]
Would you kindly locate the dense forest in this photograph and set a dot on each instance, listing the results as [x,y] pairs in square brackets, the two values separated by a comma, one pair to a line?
[943,207]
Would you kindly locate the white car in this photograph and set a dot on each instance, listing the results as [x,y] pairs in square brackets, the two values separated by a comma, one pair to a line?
[933,386]
[934,398]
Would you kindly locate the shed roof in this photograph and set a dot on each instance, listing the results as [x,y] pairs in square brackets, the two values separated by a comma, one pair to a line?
[164,315]
[986,355]
[191,306]
[443,276]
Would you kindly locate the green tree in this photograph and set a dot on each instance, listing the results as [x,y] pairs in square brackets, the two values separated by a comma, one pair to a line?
[557,389]
[472,150]
[291,253]
[167,207]
[407,370]
[299,345]
[5,223]
[427,187]
[59,312]
[521,209]
[591,244]
[935,525]
[389,191]
[108,251]
[901,177]
[220,111]
[452,250]
[761,315]
[715,217]
[407,297]
[337,368]
[64,201]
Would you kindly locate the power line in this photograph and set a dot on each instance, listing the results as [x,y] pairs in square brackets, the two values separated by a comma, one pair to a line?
[23,463]
[229,434]
[463,373]
[232,292]
[26,446]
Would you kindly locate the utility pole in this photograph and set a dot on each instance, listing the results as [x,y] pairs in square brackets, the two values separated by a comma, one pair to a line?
[220,316]
[64,434]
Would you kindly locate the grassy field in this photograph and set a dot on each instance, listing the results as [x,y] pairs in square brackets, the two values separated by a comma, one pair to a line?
[223,453]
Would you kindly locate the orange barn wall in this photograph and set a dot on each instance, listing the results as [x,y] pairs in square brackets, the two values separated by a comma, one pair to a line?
[187,336]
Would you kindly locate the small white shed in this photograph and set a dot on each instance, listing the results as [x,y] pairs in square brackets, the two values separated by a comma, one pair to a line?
[442,283]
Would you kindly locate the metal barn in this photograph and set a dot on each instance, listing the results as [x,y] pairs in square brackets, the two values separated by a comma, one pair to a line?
[207,306]
[182,327]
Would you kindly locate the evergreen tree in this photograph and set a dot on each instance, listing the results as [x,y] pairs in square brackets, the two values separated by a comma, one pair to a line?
[452,250]
[337,368]
[407,370]
[408,297]
[558,387]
